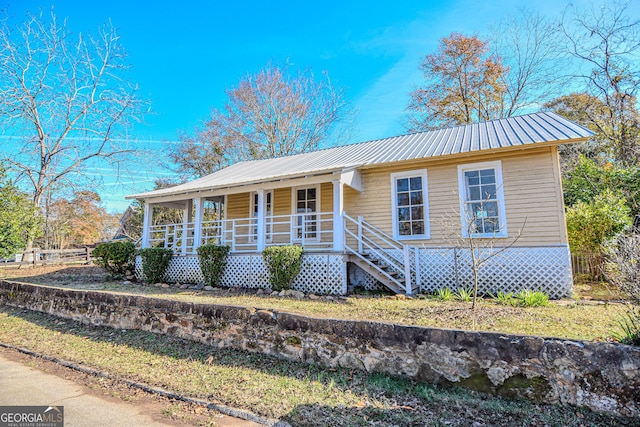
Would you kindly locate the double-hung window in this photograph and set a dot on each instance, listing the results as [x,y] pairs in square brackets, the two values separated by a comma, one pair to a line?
[410,205]
[482,200]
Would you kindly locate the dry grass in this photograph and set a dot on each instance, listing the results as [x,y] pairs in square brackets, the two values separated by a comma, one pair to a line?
[584,319]
[305,395]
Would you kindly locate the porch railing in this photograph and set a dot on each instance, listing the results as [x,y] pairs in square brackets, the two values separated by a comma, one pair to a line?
[377,248]
[312,230]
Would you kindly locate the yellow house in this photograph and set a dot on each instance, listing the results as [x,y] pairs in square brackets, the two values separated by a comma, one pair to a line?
[401,212]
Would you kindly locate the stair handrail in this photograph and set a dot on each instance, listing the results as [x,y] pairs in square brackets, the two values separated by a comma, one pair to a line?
[401,263]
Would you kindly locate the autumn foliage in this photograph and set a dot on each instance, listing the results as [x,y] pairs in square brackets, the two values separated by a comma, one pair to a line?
[463,84]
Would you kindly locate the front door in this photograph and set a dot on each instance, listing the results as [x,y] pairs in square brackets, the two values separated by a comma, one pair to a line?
[306,221]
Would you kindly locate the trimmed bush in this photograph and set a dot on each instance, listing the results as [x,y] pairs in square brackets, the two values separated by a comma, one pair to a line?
[115,257]
[283,264]
[155,263]
[213,259]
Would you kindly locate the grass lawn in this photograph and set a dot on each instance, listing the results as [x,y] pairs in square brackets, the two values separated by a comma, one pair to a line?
[304,395]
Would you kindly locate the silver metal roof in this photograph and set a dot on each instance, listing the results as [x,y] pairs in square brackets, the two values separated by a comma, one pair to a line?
[513,132]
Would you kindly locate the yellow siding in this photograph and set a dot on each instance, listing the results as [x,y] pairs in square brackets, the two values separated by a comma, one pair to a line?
[238,205]
[530,181]
[326,205]
[281,206]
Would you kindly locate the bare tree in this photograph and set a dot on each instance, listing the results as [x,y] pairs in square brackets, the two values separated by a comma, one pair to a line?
[65,102]
[269,114]
[606,43]
[482,232]
[527,44]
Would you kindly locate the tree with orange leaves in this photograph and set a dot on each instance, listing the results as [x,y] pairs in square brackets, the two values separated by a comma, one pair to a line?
[464,83]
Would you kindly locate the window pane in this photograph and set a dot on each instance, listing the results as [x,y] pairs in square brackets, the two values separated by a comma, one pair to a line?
[403,214]
[417,213]
[301,195]
[311,206]
[416,183]
[488,176]
[402,184]
[472,177]
[488,192]
[491,226]
[403,199]
[302,207]
[416,197]
[311,194]
[474,193]
[404,228]
[491,208]
[417,227]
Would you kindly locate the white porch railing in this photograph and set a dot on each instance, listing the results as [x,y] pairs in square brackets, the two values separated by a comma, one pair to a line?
[392,259]
[313,231]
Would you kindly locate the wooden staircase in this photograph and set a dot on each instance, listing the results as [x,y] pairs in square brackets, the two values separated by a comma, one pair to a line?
[376,254]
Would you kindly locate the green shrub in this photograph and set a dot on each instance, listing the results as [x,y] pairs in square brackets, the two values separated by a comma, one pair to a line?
[115,257]
[444,294]
[629,323]
[155,263]
[528,298]
[213,259]
[504,298]
[464,294]
[283,264]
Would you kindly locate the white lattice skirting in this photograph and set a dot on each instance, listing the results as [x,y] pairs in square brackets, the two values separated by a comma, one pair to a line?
[320,273]
[546,269]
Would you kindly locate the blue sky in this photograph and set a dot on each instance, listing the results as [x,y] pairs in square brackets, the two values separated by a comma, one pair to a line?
[185,54]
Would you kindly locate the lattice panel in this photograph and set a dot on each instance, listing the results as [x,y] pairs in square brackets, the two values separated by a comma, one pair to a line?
[546,269]
[320,274]
[245,271]
[182,269]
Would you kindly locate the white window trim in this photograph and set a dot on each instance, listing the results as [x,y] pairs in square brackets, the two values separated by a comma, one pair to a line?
[497,166]
[425,198]
[252,208]
[294,209]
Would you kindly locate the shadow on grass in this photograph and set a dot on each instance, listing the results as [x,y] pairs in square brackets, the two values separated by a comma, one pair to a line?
[370,398]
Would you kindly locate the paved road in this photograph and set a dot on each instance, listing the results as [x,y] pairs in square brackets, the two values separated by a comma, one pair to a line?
[22,385]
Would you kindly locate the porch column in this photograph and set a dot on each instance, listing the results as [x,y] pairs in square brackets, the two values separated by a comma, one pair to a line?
[338,221]
[147,220]
[197,226]
[261,229]
[186,219]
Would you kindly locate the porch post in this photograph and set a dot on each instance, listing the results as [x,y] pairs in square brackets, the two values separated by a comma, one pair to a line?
[186,219]
[261,229]
[197,226]
[338,221]
[146,223]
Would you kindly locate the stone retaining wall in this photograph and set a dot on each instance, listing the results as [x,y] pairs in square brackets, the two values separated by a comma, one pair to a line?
[602,376]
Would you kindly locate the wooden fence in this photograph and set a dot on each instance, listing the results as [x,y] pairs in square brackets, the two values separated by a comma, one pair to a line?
[49,257]
[590,265]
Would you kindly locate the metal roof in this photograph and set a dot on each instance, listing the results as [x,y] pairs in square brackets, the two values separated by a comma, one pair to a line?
[513,132]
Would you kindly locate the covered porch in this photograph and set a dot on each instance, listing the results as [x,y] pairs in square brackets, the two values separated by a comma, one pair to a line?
[304,211]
